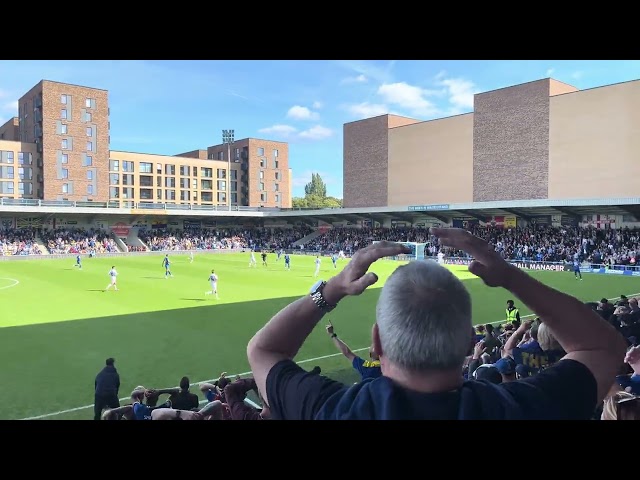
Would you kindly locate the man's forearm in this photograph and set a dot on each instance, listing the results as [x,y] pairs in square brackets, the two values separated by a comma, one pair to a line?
[289,328]
[576,326]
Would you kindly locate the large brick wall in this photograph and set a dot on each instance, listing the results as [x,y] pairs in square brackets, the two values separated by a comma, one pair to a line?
[511,143]
[365,162]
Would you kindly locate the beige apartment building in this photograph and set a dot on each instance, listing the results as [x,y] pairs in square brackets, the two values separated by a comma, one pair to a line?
[58,148]
[539,140]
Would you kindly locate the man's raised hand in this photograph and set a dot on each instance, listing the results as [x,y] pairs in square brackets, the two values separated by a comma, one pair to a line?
[487,263]
[354,279]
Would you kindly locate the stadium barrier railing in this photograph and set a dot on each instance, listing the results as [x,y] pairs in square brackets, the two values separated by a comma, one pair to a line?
[125,204]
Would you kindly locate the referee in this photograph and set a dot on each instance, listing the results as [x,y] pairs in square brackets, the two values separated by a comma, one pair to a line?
[107,385]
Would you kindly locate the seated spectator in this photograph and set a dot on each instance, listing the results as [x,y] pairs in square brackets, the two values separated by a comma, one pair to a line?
[184,399]
[236,394]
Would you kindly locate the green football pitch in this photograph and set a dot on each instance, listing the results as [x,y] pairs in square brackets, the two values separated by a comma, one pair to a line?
[58,325]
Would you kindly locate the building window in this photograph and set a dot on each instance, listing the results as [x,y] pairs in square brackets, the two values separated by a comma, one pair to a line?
[222,173]
[90,146]
[260,152]
[65,188]
[88,161]
[262,163]
[65,173]
[89,189]
[275,153]
[63,114]
[185,171]
[89,174]
[146,181]
[169,169]
[127,166]
[206,185]
[261,185]
[87,103]
[194,184]
[233,174]
[114,165]
[89,131]
[146,194]
[87,117]
[234,198]
[63,99]
[65,158]
[9,157]
[63,129]
[234,186]
[276,187]
[275,164]
[222,185]
[277,198]
[277,175]
[222,197]
[170,182]
[169,194]
[114,179]
[220,155]
[263,197]
[65,144]
[146,167]
[114,192]
[261,175]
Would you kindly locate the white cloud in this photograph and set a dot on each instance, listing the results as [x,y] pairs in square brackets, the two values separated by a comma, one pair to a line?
[577,75]
[316,133]
[550,72]
[367,110]
[290,133]
[11,106]
[317,105]
[359,79]
[279,130]
[460,92]
[408,97]
[302,113]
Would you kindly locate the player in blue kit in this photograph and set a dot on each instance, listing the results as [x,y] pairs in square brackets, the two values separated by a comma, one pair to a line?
[167,267]
[78,262]
[287,261]
[576,269]
[334,259]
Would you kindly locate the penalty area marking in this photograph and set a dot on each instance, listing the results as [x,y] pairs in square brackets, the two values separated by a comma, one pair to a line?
[309,360]
[15,282]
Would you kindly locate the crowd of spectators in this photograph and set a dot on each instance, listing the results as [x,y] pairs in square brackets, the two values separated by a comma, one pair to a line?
[78,240]
[223,399]
[540,243]
[19,242]
[212,239]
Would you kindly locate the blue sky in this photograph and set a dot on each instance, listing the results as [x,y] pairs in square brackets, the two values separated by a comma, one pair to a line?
[169,107]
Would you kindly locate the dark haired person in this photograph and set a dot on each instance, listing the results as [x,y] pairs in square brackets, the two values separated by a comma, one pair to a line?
[184,399]
[106,386]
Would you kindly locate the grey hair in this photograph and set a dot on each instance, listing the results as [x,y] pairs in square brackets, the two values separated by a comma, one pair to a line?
[424,318]
[546,339]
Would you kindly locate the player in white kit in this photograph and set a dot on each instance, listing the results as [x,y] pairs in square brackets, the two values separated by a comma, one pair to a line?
[441,257]
[113,274]
[213,279]
[317,266]
[191,256]
[252,259]
[341,254]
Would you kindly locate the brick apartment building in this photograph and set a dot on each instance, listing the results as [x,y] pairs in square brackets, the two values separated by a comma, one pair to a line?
[58,148]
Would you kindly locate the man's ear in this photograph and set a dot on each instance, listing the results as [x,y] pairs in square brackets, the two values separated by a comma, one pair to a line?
[375,340]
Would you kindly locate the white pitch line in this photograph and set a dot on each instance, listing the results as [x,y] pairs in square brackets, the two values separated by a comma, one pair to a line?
[15,282]
[85,407]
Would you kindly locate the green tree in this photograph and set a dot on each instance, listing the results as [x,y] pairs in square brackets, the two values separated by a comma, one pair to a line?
[315,195]
[316,186]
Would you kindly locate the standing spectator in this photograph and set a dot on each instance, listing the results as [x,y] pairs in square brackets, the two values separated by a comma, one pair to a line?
[107,386]
[184,399]
[366,368]
[422,334]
